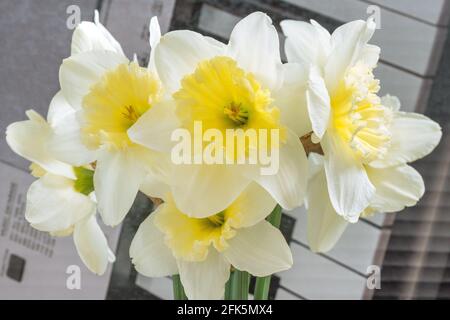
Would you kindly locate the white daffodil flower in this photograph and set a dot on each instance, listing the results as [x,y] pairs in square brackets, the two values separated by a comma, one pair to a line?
[234,86]
[108,94]
[60,201]
[202,250]
[397,185]
[356,129]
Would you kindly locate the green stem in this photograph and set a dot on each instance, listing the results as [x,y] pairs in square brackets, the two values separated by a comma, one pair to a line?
[228,287]
[240,281]
[178,290]
[275,217]
[262,284]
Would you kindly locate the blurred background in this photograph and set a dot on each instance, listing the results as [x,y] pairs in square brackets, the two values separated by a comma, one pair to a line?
[396,256]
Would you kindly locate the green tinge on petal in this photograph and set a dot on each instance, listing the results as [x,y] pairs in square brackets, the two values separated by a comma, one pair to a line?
[84,182]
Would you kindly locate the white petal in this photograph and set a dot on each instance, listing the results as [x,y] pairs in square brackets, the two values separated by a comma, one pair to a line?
[91,245]
[205,280]
[106,33]
[253,205]
[150,255]
[325,226]
[89,36]
[315,161]
[220,46]
[288,185]
[155,36]
[30,138]
[156,183]
[324,37]
[305,43]
[261,250]
[117,179]
[155,127]
[79,72]
[370,55]
[347,42]
[154,187]
[254,45]
[318,102]
[202,190]
[291,99]
[413,137]
[349,187]
[396,188]
[111,256]
[155,32]
[391,102]
[58,109]
[66,144]
[53,204]
[178,54]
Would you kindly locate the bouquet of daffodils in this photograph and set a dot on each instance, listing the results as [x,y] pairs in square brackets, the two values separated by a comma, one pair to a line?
[222,137]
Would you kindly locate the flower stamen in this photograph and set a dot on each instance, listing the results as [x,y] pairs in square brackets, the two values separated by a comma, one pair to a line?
[237,113]
[358,116]
[131,114]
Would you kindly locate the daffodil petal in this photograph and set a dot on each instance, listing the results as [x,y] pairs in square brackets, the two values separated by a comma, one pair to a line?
[325,225]
[253,205]
[318,102]
[30,138]
[155,36]
[391,102]
[154,187]
[413,137]
[261,250]
[203,190]
[117,178]
[349,187]
[58,109]
[111,256]
[89,36]
[79,72]
[254,45]
[291,99]
[205,280]
[288,185]
[66,144]
[53,204]
[177,55]
[92,245]
[155,127]
[157,164]
[106,33]
[155,32]
[370,55]
[396,188]
[347,44]
[150,255]
[324,38]
[302,43]
[315,161]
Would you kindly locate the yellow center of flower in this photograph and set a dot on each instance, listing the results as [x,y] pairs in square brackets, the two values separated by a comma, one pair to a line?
[358,117]
[223,96]
[115,103]
[236,113]
[190,238]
